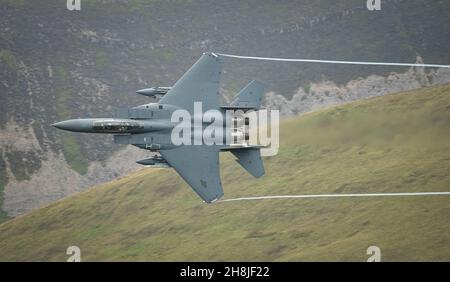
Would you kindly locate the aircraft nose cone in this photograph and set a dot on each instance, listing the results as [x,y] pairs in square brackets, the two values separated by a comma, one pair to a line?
[57,125]
[72,125]
[65,125]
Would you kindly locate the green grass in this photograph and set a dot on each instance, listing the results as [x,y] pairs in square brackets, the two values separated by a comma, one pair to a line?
[3,182]
[8,59]
[395,143]
[13,3]
[70,147]
[72,153]
[307,88]
[100,59]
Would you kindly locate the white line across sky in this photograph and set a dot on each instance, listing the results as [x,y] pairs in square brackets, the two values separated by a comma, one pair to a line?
[334,62]
[338,196]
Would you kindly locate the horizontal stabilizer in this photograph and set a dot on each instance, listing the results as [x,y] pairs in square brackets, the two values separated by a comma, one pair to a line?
[250,159]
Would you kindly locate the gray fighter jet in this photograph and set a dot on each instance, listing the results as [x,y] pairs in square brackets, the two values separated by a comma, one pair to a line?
[150,127]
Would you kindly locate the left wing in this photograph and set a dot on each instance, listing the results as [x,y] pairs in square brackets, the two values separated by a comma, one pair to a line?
[198,165]
[199,84]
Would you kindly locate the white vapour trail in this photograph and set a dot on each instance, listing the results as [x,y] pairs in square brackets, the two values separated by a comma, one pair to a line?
[338,196]
[334,62]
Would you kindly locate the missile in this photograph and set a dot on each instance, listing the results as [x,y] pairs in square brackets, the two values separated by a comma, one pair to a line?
[154,91]
[155,162]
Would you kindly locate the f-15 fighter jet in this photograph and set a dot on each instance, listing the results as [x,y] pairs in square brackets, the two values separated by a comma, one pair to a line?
[151,127]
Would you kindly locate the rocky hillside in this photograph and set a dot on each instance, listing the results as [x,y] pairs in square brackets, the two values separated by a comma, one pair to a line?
[327,93]
[58,64]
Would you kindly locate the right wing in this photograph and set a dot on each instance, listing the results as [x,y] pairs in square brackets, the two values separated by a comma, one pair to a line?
[199,84]
[199,167]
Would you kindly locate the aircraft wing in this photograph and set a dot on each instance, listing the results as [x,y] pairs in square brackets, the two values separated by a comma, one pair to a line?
[199,84]
[199,167]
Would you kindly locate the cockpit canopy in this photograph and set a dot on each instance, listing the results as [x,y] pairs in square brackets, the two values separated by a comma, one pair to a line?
[116,126]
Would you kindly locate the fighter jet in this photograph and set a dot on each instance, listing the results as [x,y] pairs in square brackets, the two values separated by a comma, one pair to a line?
[150,126]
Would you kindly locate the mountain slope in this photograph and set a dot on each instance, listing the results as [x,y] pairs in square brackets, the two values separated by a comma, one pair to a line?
[394,143]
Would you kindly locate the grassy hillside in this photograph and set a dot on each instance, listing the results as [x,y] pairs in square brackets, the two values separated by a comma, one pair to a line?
[395,143]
